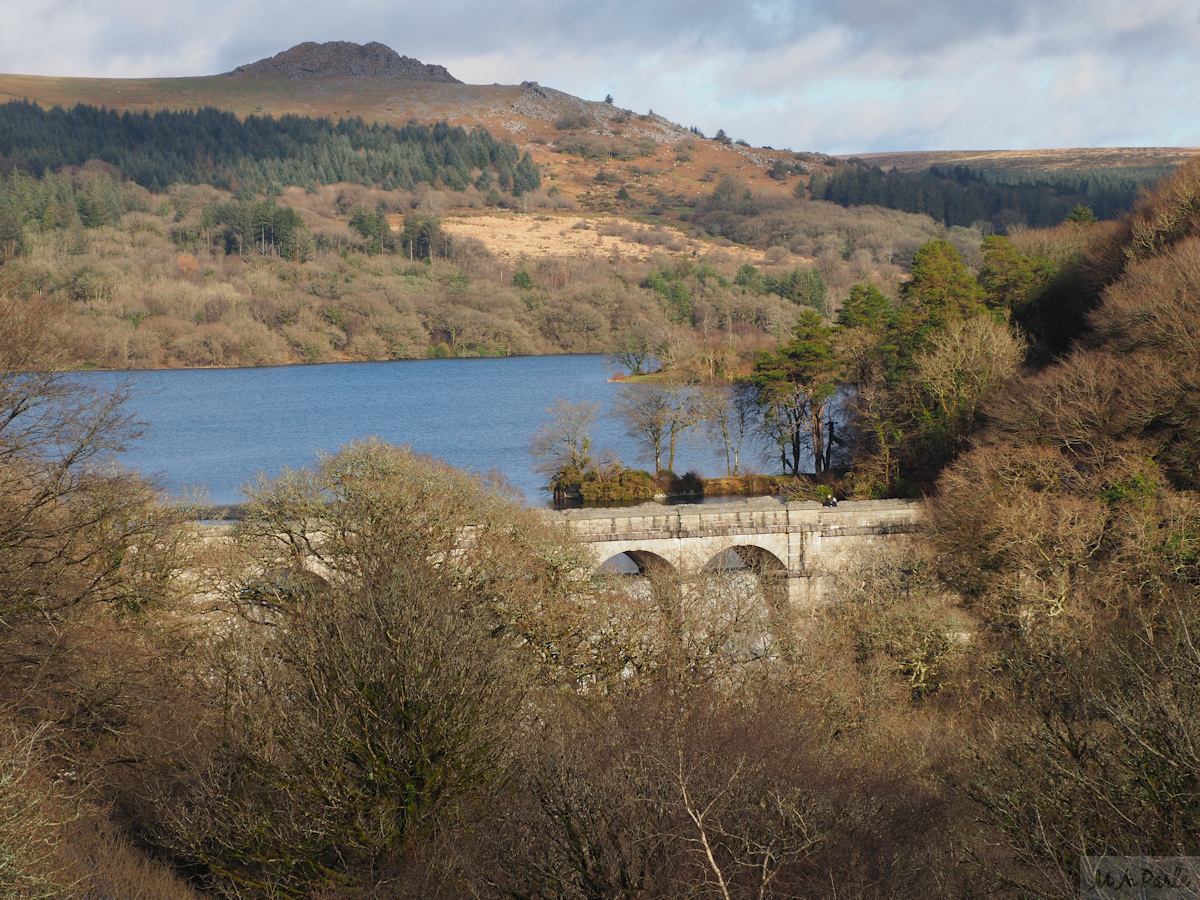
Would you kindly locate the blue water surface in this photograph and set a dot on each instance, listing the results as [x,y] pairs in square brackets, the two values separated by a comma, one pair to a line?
[215,429]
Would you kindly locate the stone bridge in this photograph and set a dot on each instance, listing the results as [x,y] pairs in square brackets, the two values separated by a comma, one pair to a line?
[798,542]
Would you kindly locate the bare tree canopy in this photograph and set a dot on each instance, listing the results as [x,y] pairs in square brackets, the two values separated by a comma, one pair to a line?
[564,440]
[655,415]
[70,514]
[632,349]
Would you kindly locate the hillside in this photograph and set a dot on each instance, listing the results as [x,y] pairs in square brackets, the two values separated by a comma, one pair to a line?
[340,79]
[1030,160]
[573,140]
[268,247]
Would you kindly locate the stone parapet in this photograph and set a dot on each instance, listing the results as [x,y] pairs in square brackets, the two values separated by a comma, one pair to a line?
[765,515]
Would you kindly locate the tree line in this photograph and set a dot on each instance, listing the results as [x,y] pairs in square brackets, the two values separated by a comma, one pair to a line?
[258,153]
[964,196]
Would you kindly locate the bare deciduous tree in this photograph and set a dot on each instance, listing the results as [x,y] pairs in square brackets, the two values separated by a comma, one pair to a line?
[74,525]
[632,349]
[377,711]
[393,693]
[963,366]
[730,413]
[655,415]
[564,441]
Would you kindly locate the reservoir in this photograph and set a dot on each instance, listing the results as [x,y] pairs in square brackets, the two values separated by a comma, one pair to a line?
[216,429]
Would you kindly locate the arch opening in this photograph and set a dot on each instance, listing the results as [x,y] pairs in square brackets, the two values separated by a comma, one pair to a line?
[636,562]
[742,572]
[642,575]
[749,559]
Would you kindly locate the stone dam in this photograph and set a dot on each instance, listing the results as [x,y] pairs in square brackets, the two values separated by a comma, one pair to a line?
[798,543]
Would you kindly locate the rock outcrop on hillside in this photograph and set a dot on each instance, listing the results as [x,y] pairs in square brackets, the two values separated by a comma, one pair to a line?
[344,59]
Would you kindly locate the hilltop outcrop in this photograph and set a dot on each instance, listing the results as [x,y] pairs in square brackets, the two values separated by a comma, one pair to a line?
[345,59]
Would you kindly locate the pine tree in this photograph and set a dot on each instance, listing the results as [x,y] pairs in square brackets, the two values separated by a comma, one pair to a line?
[526,176]
[12,233]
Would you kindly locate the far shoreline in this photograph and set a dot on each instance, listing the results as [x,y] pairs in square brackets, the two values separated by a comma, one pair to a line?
[332,362]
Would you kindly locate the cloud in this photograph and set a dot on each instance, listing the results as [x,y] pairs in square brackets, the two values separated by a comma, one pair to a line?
[844,76]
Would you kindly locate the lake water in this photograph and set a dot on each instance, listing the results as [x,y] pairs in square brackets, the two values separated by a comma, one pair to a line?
[217,428]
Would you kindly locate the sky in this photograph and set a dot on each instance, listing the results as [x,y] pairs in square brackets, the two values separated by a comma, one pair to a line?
[834,76]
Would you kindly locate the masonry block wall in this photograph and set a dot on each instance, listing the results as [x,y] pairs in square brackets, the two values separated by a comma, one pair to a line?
[803,541]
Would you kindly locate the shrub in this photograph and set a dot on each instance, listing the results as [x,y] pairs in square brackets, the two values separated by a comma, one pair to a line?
[573,120]
[391,696]
[617,484]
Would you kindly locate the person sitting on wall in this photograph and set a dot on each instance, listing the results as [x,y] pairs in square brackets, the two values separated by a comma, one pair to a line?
[830,500]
